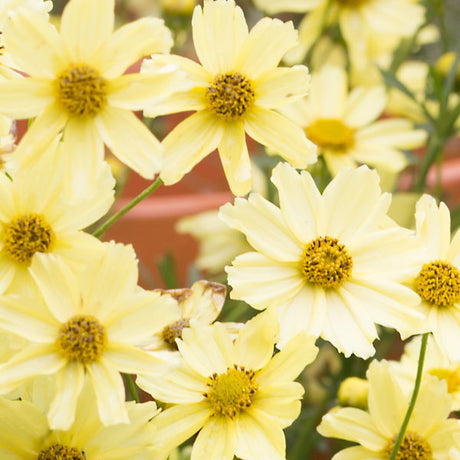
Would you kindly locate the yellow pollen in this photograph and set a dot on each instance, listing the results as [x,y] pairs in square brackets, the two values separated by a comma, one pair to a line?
[82,338]
[231,391]
[451,376]
[25,235]
[81,91]
[413,447]
[174,331]
[230,95]
[60,452]
[438,283]
[326,262]
[331,134]
[351,3]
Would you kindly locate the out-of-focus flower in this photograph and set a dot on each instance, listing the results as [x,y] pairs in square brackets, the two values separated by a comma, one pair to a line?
[444,64]
[235,91]
[344,126]
[234,393]
[76,82]
[325,261]
[429,434]
[353,392]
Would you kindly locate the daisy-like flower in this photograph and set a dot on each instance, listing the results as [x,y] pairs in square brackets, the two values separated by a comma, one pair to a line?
[437,279]
[75,82]
[343,124]
[84,326]
[436,363]
[200,304]
[329,263]
[360,22]
[234,392]
[429,435]
[235,91]
[41,214]
[26,435]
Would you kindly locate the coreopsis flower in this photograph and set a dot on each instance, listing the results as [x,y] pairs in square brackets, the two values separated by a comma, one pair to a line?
[26,435]
[75,84]
[329,263]
[234,92]
[429,435]
[437,279]
[234,393]
[83,326]
[363,23]
[200,304]
[40,212]
[344,126]
[353,392]
[436,364]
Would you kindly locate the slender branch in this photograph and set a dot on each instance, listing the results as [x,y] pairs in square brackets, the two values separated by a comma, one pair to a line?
[418,380]
[109,222]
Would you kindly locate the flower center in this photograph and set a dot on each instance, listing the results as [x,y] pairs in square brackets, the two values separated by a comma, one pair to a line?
[81,91]
[174,331]
[330,134]
[60,452]
[82,338]
[351,3]
[413,447]
[230,95]
[326,262]
[26,235]
[231,391]
[438,283]
[451,376]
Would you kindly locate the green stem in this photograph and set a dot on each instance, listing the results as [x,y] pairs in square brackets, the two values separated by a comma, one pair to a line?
[418,380]
[109,222]
[434,150]
[132,387]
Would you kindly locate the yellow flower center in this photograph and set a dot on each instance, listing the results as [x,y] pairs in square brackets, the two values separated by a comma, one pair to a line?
[174,331]
[326,262]
[330,134]
[451,376]
[26,235]
[351,3]
[231,391]
[438,283]
[81,91]
[413,447]
[230,95]
[82,338]
[60,452]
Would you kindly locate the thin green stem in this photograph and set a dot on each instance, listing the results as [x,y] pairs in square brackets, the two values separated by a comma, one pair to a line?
[132,388]
[418,380]
[109,222]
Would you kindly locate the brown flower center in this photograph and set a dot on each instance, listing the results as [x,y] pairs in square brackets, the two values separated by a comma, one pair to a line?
[413,447]
[174,331]
[60,452]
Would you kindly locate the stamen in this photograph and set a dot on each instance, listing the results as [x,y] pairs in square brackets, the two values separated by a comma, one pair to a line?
[331,134]
[174,331]
[451,377]
[60,452]
[413,447]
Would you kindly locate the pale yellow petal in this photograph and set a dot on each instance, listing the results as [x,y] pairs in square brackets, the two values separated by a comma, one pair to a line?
[118,128]
[234,155]
[364,105]
[130,43]
[126,358]
[215,441]
[281,85]
[448,330]
[264,227]
[379,156]
[188,143]
[281,135]
[357,453]
[62,410]
[335,161]
[295,6]
[219,31]
[267,42]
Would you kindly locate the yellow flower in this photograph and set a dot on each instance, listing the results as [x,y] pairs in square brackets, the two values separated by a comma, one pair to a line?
[429,435]
[41,211]
[353,392]
[343,124]
[75,83]
[325,261]
[26,435]
[235,91]
[360,22]
[437,279]
[436,364]
[234,392]
[84,326]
